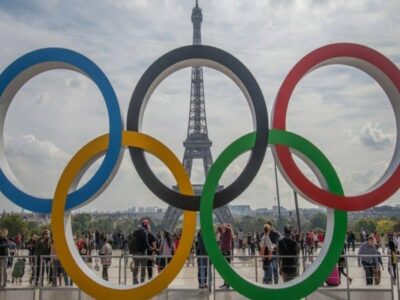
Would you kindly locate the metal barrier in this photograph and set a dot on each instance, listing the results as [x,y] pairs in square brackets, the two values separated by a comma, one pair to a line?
[44,277]
[398,280]
[20,278]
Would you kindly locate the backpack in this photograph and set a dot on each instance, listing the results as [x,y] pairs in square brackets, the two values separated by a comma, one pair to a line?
[19,268]
[134,243]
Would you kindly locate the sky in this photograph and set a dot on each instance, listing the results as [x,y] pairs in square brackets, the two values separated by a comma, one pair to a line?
[341,110]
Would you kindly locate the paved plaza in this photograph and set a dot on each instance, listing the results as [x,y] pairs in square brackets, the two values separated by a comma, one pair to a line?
[185,285]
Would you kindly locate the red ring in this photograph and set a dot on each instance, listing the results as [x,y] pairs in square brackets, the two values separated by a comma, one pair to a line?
[351,54]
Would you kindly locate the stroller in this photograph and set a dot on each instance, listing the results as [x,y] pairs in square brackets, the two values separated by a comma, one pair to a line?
[18,270]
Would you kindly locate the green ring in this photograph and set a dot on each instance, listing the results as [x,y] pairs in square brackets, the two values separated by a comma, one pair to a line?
[322,267]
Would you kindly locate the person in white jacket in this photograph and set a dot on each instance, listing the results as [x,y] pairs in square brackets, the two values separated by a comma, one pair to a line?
[106,252]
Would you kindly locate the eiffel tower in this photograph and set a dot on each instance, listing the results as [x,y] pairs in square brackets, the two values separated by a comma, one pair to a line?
[197,144]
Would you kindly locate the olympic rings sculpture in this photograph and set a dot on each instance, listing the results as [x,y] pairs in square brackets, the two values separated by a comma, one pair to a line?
[282,142]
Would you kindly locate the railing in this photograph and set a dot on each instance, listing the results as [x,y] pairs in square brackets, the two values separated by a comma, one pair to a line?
[44,275]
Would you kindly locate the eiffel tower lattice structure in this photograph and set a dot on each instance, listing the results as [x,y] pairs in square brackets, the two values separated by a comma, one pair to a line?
[197,144]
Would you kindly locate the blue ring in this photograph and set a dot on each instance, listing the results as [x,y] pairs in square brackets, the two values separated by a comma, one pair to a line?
[100,178]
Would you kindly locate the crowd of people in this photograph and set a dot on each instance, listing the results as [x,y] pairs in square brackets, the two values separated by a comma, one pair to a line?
[280,253]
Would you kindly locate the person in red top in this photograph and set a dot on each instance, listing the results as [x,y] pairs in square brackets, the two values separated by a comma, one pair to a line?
[18,242]
[82,246]
[321,237]
[177,238]
[226,239]
[309,244]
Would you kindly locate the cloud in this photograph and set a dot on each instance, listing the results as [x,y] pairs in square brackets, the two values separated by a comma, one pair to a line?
[373,136]
[36,163]
[75,82]
[42,98]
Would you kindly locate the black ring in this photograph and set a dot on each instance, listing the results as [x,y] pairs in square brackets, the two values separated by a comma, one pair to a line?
[136,109]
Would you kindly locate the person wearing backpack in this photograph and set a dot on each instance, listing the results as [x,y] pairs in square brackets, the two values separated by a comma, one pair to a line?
[137,248]
[288,252]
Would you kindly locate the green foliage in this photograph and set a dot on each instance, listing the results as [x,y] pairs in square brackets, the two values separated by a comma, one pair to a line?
[103,224]
[81,223]
[126,225]
[250,224]
[33,228]
[396,226]
[318,221]
[366,224]
[385,226]
[14,223]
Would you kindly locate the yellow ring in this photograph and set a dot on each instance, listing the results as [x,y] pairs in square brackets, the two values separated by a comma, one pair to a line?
[82,275]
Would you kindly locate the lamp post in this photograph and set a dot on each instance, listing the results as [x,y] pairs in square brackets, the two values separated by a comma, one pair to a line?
[278,199]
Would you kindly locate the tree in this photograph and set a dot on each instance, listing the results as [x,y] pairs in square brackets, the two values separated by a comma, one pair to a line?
[126,225]
[385,226]
[81,223]
[396,226]
[104,224]
[318,221]
[366,224]
[14,224]
[33,228]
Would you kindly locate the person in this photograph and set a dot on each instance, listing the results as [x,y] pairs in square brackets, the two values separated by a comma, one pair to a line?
[226,246]
[288,252]
[315,239]
[258,241]
[309,246]
[301,242]
[57,269]
[363,236]
[83,248]
[398,241]
[18,242]
[266,251]
[351,241]
[106,259]
[367,258]
[393,260]
[384,242]
[137,247]
[377,271]
[12,249]
[150,251]
[251,243]
[97,239]
[342,264]
[3,257]
[42,249]
[167,250]
[274,236]
[240,236]
[31,245]
[202,262]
